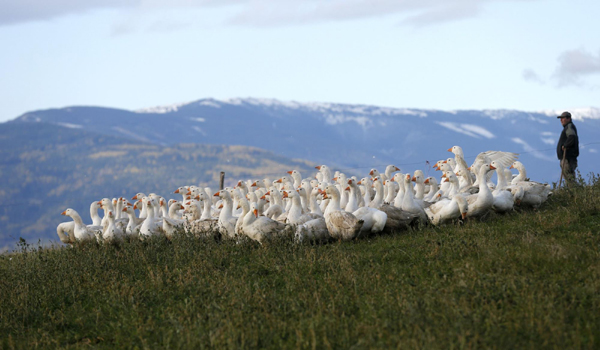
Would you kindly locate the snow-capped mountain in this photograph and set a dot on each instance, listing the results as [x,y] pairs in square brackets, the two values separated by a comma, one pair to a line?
[354,138]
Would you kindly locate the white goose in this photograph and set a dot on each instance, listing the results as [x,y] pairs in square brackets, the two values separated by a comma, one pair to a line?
[112,234]
[313,230]
[409,204]
[81,232]
[341,224]
[261,228]
[447,210]
[151,226]
[171,225]
[481,203]
[226,221]
[134,223]
[503,198]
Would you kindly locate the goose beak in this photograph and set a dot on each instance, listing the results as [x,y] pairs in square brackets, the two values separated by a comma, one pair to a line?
[450,149]
[456,174]
[511,167]
[444,175]
[176,191]
[268,193]
[469,168]
[464,215]
[335,178]
[188,193]
[318,167]
[238,206]
[349,182]
[264,197]
[396,168]
[221,206]
[254,184]
[64,213]
[181,206]
[239,184]
[197,197]
[392,180]
[446,180]
[135,206]
[255,213]
[445,162]
[359,183]
[289,172]
[285,194]
[426,181]
[348,188]
[279,181]
[134,198]
[216,194]
[492,167]
[371,173]
[324,195]
[414,179]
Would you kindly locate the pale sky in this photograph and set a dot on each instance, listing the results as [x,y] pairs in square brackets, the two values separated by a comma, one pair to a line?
[432,54]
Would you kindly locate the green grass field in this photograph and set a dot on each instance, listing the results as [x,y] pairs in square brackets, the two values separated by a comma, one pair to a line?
[527,280]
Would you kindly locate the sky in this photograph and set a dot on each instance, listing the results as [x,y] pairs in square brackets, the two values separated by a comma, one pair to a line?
[431,54]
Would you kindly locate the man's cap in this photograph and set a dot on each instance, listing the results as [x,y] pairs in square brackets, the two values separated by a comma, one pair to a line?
[565,115]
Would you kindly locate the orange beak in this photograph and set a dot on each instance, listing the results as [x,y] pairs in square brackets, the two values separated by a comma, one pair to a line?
[197,197]
[64,213]
[348,188]
[181,206]
[446,180]
[255,212]
[289,172]
[511,167]
[264,197]
[221,206]
[397,169]
[371,173]
[464,215]
[216,194]
[279,181]
[392,180]
[285,194]
[426,181]
[359,183]
[135,206]
[324,195]
[188,193]
[450,149]
[445,162]
[414,179]
[318,167]
[335,178]
[254,184]
[349,181]
[444,175]
[176,191]
[134,197]
[124,209]
[492,167]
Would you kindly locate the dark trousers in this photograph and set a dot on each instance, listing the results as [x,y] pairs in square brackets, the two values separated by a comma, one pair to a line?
[568,167]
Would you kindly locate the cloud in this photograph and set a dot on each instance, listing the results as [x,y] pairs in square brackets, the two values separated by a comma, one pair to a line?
[262,12]
[531,75]
[574,66]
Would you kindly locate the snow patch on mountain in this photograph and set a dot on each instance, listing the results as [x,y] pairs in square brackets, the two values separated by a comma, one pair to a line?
[529,149]
[576,113]
[161,109]
[475,131]
[70,126]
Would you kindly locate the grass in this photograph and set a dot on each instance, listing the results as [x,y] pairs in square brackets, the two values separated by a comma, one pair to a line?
[529,279]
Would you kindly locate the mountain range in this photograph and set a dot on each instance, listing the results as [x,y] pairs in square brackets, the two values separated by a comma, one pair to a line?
[70,156]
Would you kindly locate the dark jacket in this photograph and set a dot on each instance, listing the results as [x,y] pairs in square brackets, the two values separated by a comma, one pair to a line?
[570,140]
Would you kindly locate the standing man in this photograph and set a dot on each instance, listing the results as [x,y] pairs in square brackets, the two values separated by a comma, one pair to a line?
[567,149]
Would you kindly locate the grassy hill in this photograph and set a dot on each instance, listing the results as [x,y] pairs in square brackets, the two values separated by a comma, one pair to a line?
[45,169]
[528,279]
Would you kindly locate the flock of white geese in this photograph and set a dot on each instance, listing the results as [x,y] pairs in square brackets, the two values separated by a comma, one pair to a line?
[325,207]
